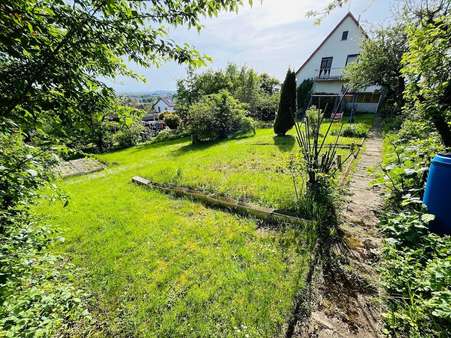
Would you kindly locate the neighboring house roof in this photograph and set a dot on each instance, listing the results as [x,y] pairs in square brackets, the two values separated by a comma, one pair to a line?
[166,100]
[349,14]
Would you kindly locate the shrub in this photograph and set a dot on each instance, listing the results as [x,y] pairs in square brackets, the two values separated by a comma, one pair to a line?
[352,130]
[168,135]
[415,266]
[216,117]
[265,107]
[246,127]
[287,105]
[37,296]
[128,136]
[171,120]
[263,124]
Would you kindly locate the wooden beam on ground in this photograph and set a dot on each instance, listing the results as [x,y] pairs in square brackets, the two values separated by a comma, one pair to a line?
[265,214]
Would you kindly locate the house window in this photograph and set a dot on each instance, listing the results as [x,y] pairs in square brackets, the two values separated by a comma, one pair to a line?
[351,58]
[367,98]
[344,35]
[326,65]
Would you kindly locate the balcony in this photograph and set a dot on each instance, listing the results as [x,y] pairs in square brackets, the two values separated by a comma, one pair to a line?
[328,74]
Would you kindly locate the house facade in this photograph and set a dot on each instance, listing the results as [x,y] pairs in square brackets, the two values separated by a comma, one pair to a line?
[163,104]
[325,67]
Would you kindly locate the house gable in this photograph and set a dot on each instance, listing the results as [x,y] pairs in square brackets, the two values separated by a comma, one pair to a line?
[343,41]
[163,104]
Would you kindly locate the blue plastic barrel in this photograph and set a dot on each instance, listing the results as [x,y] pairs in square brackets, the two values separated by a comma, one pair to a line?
[437,195]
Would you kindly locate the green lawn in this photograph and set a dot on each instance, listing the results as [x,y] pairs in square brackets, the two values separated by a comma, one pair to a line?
[160,266]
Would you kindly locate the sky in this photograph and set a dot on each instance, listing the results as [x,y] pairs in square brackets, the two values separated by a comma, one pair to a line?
[270,36]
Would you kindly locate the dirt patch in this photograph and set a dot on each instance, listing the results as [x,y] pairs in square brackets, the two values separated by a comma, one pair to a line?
[345,294]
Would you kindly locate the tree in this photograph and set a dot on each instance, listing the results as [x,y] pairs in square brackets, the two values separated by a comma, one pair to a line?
[252,89]
[427,67]
[53,52]
[287,105]
[269,84]
[379,63]
[217,116]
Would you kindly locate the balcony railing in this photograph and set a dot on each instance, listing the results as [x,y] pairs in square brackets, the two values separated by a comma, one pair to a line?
[328,73]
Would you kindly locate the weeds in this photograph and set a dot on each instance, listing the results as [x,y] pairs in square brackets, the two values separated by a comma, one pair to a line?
[321,159]
[415,268]
[353,130]
[37,293]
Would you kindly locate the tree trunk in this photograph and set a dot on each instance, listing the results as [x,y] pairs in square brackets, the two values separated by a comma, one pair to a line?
[443,128]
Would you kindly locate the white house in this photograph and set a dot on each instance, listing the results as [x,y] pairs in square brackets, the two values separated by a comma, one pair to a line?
[326,64]
[163,104]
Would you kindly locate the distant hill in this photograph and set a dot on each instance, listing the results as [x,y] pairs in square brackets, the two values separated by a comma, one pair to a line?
[161,92]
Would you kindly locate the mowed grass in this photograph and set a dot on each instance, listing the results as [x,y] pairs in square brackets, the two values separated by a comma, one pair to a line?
[164,267]
[252,169]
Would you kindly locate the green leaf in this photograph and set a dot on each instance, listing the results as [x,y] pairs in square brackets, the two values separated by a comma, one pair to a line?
[427,218]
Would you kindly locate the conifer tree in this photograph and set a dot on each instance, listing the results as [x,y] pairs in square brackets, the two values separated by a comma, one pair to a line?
[287,105]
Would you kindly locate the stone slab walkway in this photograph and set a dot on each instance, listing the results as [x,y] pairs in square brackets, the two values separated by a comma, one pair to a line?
[79,167]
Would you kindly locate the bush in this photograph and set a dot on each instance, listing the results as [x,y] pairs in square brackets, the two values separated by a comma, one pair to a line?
[263,124]
[415,269]
[246,127]
[352,130]
[216,117]
[128,136]
[171,120]
[37,296]
[168,135]
[265,107]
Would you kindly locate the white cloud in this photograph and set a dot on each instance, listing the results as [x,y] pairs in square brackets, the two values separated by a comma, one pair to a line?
[268,13]
[269,37]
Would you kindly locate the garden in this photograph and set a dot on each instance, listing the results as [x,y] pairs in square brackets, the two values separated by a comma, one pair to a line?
[98,255]
[165,266]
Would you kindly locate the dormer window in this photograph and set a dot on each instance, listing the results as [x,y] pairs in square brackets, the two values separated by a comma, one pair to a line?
[344,35]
